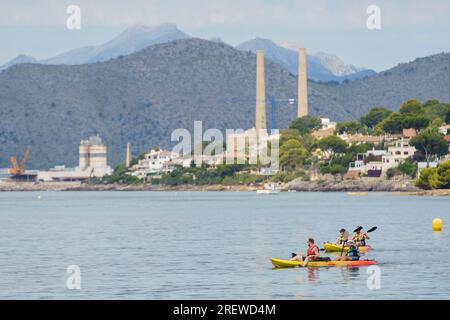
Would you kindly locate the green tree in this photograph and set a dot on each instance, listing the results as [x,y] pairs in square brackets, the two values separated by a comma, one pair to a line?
[429,179]
[443,171]
[396,122]
[306,124]
[332,145]
[431,143]
[391,172]
[335,170]
[412,106]
[351,127]
[435,109]
[289,134]
[408,167]
[375,116]
[292,155]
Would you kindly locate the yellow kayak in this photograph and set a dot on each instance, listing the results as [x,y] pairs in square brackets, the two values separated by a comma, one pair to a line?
[280,263]
[331,247]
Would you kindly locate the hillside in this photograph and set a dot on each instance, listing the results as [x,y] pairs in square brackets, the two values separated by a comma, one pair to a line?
[141,98]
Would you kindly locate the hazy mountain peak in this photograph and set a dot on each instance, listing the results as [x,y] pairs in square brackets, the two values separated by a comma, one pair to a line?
[132,39]
[321,66]
[21,58]
[335,64]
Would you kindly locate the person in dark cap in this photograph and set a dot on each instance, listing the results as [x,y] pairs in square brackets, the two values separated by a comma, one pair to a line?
[343,237]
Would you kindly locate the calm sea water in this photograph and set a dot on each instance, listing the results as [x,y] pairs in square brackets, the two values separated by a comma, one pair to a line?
[145,245]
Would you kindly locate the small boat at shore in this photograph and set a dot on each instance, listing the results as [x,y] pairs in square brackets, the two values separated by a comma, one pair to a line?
[357,194]
[270,188]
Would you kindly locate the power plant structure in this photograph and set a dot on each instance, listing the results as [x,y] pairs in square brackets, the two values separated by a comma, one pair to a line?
[260,93]
[93,162]
[93,153]
[128,156]
[302,94]
[302,84]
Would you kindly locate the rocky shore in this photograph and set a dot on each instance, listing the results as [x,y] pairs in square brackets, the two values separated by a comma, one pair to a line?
[363,184]
[77,186]
[400,186]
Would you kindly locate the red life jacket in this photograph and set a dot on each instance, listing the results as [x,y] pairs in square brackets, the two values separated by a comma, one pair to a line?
[310,251]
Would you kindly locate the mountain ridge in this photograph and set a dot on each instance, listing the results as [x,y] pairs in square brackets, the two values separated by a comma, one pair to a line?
[323,67]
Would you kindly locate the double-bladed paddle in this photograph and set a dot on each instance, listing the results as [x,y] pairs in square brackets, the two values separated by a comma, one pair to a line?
[370,230]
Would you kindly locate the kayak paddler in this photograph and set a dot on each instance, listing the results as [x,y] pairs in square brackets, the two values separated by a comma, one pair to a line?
[352,254]
[311,254]
[360,237]
[343,237]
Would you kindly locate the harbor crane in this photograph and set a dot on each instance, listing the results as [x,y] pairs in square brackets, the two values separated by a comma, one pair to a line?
[19,168]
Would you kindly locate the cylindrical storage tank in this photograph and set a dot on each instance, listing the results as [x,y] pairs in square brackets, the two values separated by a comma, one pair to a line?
[97,156]
[84,156]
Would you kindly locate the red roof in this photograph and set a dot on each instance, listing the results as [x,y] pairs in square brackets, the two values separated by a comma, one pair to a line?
[409,133]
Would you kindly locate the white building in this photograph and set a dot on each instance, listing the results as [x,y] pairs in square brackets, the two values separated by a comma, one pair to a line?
[400,151]
[157,162]
[396,154]
[327,123]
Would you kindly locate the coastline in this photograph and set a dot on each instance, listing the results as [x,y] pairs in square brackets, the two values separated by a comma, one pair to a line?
[400,187]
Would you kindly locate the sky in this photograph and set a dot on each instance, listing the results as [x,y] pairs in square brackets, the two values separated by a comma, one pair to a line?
[409,28]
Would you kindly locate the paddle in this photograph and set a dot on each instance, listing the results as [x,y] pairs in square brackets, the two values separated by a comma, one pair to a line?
[343,245]
[370,230]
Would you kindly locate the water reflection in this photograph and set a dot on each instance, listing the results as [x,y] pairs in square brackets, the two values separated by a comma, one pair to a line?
[312,274]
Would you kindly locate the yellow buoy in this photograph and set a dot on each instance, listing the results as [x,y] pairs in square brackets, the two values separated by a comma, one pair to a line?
[437,224]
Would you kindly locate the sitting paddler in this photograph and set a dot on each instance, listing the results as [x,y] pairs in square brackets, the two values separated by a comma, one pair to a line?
[311,254]
[343,237]
[360,237]
[352,254]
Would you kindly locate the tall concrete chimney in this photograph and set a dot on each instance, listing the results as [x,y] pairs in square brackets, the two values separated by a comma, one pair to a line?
[128,156]
[302,84]
[260,93]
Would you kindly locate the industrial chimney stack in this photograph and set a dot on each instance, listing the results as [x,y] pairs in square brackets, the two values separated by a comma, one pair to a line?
[302,84]
[128,156]
[260,93]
